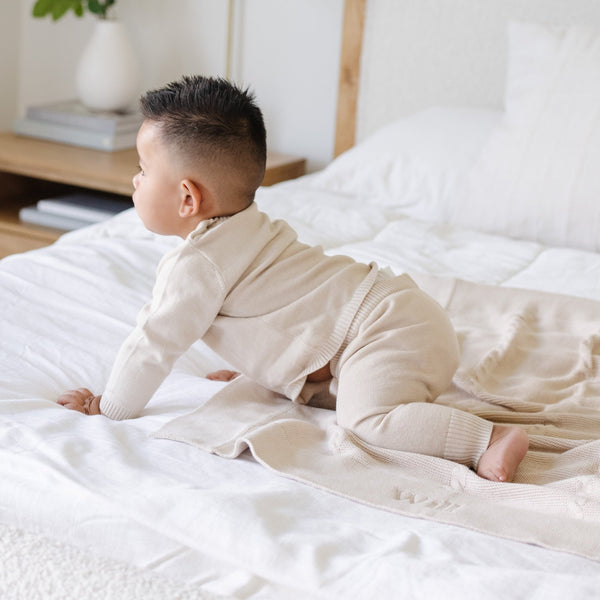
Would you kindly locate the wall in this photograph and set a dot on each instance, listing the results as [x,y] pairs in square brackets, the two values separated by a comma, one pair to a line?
[9,41]
[446,53]
[287,52]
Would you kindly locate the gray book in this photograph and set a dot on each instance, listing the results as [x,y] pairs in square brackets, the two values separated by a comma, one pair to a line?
[88,207]
[74,114]
[75,135]
[30,214]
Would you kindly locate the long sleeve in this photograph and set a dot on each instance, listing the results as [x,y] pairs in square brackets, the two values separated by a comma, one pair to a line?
[187,296]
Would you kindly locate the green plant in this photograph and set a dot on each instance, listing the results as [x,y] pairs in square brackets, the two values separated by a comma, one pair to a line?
[57,8]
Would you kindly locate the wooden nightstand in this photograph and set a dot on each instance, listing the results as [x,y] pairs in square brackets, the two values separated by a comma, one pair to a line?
[31,169]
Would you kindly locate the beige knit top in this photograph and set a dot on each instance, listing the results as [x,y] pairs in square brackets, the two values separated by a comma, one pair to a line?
[272,307]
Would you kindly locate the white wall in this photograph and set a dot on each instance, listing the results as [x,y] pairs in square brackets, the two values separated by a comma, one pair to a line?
[287,51]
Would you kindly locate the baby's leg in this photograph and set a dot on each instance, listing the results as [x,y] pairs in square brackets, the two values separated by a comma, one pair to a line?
[388,377]
[394,413]
[494,451]
[404,355]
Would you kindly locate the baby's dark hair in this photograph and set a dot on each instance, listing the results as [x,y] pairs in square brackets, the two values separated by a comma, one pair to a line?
[211,119]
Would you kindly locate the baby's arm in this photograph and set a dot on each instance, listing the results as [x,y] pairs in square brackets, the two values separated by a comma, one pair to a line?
[85,402]
[81,400]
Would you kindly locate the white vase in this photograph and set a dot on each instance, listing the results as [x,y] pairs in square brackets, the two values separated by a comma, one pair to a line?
[108,74]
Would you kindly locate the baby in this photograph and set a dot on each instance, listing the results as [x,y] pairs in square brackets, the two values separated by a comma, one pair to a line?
[281,312]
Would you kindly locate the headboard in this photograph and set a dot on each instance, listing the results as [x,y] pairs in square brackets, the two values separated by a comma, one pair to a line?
[399,56]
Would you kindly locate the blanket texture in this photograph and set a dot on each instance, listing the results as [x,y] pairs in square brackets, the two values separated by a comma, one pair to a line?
[528,358]
[32,566]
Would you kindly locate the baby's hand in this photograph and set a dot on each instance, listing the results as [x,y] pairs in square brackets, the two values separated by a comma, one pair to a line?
[81,400]
[223,375]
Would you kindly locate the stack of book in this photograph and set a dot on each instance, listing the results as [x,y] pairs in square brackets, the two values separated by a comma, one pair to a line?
[72,123]
[73,211]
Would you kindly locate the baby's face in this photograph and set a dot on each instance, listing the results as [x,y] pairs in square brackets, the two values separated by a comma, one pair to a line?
[157,191]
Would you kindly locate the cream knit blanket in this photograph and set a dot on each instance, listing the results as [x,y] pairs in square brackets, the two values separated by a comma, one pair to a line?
[528,358]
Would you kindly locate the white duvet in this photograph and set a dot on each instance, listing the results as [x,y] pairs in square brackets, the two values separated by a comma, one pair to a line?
[232,526]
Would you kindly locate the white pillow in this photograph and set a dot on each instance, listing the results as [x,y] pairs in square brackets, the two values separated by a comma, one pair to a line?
[538,177]
[413,163]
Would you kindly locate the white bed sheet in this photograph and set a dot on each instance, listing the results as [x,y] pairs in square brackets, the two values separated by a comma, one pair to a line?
[232,526]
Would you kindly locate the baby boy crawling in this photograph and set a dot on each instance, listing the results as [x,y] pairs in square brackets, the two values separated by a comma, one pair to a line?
[281,312]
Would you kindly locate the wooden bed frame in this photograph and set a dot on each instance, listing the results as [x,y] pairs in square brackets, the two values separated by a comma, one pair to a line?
[345,129]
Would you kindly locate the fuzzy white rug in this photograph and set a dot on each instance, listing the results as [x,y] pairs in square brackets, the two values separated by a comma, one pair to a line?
[33,567]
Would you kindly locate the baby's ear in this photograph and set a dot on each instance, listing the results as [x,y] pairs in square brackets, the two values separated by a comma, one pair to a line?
[191,199]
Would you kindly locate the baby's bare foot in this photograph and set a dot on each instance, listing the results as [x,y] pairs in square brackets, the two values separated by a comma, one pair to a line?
[507,448]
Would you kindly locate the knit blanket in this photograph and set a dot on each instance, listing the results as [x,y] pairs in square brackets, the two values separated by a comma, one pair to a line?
[528,358]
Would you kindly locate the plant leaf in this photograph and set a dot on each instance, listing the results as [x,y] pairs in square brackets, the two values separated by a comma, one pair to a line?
[41,8]
[95,7]
[59,8]
[100,8]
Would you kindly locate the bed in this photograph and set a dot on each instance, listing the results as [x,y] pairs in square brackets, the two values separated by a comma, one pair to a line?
[468,150]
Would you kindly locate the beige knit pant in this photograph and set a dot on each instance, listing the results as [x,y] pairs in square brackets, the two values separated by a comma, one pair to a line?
[400,354]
